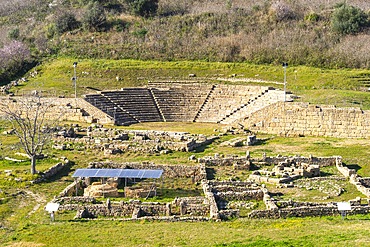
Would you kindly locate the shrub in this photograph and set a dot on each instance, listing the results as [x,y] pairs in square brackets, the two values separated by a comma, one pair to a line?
[94,18]
[144,8]
[173,7]
[348,19]
[312,17]
[281,11]
[13,33]
[66,22]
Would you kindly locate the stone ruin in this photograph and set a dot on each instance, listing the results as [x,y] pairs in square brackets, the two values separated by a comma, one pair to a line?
[115,141]
[140,192]
[97,189]
[222,199]
[285,172]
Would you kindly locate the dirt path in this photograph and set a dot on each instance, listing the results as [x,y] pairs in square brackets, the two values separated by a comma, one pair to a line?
[38,198]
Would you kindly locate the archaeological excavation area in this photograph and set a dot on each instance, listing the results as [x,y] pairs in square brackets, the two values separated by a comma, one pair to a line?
[203,185]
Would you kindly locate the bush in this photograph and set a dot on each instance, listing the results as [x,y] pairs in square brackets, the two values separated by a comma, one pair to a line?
[348,19]
[94,18]
[312,17]
[66,22]
[13,33]
[144,8]
[281,11]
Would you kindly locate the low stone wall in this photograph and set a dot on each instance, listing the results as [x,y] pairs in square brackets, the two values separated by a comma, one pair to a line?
[240,196]
[75,200]
[236,190]
[52,171]
[270,204]
[213,208]
[265,179]
[246,184]
[88,207]
[122,209]
[346,172]
[229,214]
[321,161]
[358,182]
[306,211]
[139,192]
[238,162]
[365,182]
[70,190]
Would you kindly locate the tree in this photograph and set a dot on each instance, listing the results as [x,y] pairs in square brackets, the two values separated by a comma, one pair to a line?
[66,22]
[94,17]
[348,19]
[144,8]
[13,57]
[32,120]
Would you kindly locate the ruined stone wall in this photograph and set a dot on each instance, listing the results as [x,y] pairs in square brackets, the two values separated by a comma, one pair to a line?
[70,190]
[305,212]
[303,119]
[213,208]
[134,209]
[361,184]
[365,182]
[321,161]
[122,209]
[245,195]
[240,162]
[52,171]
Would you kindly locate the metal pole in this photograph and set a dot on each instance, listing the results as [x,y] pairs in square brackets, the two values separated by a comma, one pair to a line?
[75,80]
[285,65]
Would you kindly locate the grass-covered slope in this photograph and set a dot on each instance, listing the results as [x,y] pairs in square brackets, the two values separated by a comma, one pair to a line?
[262,32]
[341,87]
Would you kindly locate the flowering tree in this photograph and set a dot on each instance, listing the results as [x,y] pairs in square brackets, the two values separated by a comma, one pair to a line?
[12,58]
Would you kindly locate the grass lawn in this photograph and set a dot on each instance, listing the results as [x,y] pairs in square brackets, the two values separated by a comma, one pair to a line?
[326,231]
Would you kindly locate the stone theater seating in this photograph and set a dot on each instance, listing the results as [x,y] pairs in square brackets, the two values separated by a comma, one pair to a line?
[184,102]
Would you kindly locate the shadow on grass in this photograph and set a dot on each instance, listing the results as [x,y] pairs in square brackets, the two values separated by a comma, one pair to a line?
[353,166]
[62,173]
[261,142]
[326,174]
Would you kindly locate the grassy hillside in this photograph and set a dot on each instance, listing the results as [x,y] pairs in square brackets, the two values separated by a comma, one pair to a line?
[261,32]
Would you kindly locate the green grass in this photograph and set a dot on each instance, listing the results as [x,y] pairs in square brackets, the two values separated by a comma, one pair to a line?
[320,86]
[326,231]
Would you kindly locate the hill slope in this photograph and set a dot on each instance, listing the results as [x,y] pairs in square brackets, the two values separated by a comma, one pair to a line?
[301,33]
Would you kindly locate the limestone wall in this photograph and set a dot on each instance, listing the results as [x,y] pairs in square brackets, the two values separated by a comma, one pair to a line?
[321,161]
[52,171]
[303,119]
[239,162]
[133,209]
[306,211]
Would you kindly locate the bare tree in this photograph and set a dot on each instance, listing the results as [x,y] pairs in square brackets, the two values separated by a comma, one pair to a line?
[33,119]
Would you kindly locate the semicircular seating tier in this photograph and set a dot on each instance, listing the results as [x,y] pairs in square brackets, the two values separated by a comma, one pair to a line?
[184,102]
